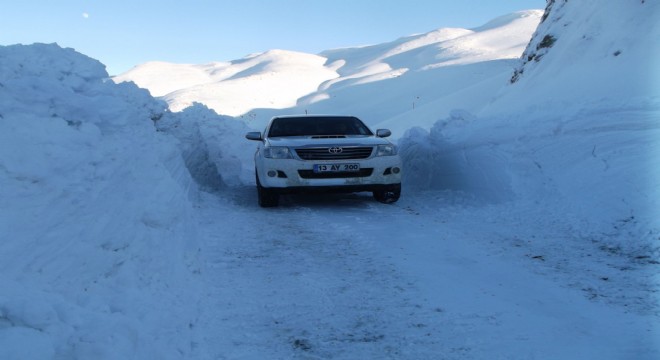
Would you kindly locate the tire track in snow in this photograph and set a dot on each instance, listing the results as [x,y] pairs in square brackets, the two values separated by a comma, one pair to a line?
[302,281]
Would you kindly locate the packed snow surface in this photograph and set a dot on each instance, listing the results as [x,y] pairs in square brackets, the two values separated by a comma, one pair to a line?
[527,228]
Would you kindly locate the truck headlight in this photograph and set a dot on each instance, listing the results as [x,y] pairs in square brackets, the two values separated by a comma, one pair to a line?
[386,150]
[277,152]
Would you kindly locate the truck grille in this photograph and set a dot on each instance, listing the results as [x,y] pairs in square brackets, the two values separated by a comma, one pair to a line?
[333,153]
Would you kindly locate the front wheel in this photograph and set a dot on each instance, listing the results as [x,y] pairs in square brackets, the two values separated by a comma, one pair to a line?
[388,196]
[266,197]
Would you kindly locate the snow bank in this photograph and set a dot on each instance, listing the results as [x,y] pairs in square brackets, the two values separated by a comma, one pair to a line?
[435,160]
[97,243]
[576,134]
[213,146]
[592,169]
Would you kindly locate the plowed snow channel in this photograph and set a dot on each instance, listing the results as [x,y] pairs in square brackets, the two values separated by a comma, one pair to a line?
[433,276]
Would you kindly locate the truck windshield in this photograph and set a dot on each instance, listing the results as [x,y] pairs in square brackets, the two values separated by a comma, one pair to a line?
[317,126]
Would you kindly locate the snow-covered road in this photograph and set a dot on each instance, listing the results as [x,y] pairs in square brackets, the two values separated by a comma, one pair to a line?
[309,279]
[435,276]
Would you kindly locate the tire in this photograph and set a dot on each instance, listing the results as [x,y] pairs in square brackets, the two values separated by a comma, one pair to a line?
[267,198]
[388,196]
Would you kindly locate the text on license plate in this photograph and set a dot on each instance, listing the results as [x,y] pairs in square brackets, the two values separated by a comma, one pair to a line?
[319,168]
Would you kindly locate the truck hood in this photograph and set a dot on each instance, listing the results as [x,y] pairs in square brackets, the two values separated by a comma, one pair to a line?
[310,141]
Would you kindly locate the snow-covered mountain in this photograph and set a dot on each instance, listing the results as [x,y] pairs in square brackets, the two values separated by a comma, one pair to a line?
[274,79]
[400,76]
[575,58]
[527,228]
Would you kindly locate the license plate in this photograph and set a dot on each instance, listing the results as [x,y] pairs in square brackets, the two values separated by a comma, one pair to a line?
[321,168]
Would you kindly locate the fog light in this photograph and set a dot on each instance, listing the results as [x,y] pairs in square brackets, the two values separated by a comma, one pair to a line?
[272,173]
[396,170]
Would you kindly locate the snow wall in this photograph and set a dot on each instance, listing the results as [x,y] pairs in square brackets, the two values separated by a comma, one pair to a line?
[574,133]
[96,228]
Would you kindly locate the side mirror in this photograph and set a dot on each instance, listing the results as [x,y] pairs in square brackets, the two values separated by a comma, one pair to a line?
[254,135]
[383,133]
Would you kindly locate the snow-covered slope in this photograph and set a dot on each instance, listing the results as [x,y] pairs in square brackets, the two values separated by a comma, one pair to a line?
[575,132]
[502,38]
[417,79]
[582,54]
[379,82]
[275,79]
[594,97]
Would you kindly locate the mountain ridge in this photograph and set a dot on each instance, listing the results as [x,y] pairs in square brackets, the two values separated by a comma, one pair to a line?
[282,79]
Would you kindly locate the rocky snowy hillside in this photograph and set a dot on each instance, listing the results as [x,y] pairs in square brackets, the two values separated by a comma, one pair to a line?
[575,130]
[580,55]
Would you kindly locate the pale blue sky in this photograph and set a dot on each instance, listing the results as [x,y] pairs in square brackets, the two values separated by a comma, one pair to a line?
[122,33]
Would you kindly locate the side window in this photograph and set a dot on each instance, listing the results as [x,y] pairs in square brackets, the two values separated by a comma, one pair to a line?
[274,128]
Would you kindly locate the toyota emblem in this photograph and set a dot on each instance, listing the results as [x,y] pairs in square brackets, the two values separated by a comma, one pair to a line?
[335,150]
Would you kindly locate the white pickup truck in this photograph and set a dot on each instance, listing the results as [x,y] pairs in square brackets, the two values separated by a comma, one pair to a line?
[332,153]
